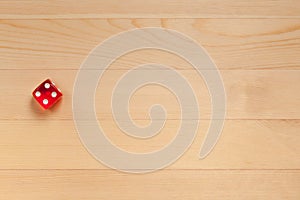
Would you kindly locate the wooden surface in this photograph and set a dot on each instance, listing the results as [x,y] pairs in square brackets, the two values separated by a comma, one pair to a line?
[256,46]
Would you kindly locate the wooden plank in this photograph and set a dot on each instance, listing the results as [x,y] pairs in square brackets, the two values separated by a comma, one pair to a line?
[244,144]
[99,184]
[28,9]
[256,44]
[263,94]
[232,43]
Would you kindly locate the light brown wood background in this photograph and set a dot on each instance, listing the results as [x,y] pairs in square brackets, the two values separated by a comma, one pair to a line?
[255,44]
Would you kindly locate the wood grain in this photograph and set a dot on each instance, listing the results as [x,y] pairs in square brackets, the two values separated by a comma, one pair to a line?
[259,144]
[232,43]
[194,184]
[28,9]
[262,94]
[256,46]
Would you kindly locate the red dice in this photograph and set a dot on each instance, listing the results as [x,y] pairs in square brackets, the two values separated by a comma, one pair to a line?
[47,94]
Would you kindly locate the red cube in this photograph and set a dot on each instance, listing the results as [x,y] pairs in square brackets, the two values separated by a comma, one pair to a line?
[47,94]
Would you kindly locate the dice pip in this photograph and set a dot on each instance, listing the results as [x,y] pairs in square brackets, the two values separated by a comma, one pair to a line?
[47,94]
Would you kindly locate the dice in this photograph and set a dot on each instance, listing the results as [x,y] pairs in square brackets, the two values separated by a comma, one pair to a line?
[47,94]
